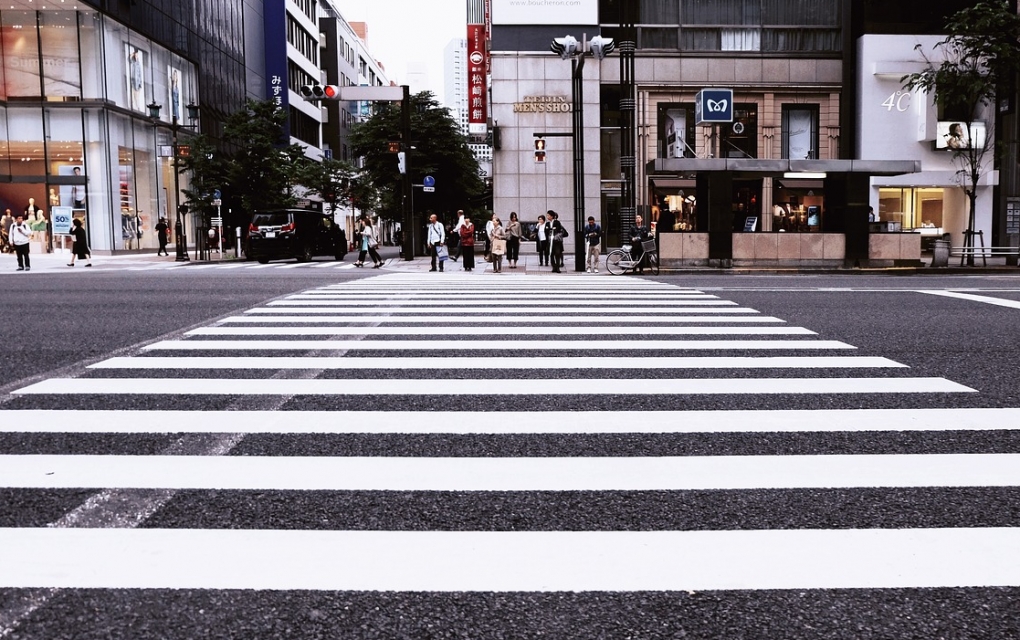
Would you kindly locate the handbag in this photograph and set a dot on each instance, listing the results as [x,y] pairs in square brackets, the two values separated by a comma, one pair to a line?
[442,253]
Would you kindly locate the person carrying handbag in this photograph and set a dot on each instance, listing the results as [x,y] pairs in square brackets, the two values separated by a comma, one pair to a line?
[368,244]
[556,231]
[498,239]
[435,237]
[467,244]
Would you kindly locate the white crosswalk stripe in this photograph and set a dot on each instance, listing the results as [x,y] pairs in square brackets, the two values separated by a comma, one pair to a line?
[402,387]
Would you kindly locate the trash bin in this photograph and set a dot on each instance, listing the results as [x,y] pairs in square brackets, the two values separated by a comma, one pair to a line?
[940,253]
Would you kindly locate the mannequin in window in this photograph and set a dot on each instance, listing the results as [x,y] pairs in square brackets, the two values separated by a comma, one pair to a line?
[54,198]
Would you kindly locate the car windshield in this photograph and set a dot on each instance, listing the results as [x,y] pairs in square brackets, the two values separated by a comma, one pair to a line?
[270,219]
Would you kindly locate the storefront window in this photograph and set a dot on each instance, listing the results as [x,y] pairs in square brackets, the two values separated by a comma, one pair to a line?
[20,55]
[90,38]
[26,150]
[800,131]
[677,137]
[58,32]
[911,208]
[740,138]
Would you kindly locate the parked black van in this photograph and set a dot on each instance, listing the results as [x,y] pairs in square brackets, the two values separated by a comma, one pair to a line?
[294,233]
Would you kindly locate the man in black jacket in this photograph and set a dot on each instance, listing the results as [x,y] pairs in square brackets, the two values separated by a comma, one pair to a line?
[637,233]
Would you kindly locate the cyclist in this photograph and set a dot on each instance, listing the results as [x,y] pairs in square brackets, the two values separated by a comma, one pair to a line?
[637,233]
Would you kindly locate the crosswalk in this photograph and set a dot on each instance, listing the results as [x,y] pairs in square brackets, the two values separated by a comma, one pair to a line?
[404,434]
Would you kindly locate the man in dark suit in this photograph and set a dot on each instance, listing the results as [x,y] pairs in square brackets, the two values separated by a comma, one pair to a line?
[637,233]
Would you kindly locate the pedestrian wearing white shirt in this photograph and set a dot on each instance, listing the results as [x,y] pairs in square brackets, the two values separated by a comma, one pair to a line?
[21,236]
[436,238]
[543,243]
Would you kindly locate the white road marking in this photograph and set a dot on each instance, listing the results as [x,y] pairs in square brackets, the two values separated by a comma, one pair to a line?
[449,319]
[503,388]
[446,301]
[552,330]
[452,561]
[489,311]
[540,362]
[1000,302]
[518,422]
[319,294]
[636,346]
[380,473]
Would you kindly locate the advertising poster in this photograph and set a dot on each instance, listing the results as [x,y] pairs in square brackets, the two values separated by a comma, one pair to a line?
[954,135]
[555,12]
[173,84]
[135,61]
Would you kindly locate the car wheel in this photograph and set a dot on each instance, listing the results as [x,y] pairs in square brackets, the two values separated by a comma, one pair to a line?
[263,260]
[306,254]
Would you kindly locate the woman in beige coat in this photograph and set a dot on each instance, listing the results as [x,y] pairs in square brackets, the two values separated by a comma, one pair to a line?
[498,240]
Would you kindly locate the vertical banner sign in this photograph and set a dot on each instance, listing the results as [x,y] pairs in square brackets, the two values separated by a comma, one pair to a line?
[478,63]
[276,57]
[488,36]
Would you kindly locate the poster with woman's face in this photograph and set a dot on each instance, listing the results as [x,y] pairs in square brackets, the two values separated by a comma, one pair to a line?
[135,61]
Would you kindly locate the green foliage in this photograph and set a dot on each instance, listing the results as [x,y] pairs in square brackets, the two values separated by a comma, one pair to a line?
[207,169]
[263,170]
[338,183]
[436,148]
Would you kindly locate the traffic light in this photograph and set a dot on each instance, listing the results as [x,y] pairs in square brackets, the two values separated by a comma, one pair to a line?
[565,47]
[539,149]
[601,47]
[320,91]
[402,162]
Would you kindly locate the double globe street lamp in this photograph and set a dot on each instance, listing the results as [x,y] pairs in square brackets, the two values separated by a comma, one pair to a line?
[175,126]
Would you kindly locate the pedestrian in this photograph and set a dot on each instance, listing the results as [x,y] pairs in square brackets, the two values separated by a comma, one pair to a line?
[80,248]
[21,236]
[436,238]
[162,235]
[368,244]
[543,242]
[488,236]
[453,242]
[5,232]
[513,240]
[637,233]
[467,243]
[593,241]
[556,232]
[498,242]
[455,233]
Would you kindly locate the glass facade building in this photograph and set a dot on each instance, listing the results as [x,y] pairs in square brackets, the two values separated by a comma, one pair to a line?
[75,135]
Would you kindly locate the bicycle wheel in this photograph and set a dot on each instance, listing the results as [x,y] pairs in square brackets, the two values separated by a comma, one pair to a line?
[617,262]
[653,263]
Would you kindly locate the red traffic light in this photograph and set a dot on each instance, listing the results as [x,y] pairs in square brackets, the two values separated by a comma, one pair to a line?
[331,92]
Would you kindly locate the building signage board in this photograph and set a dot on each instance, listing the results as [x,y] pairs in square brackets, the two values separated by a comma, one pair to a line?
[543,104]
[478,64]
[275,27]
[553,12]
[713,106]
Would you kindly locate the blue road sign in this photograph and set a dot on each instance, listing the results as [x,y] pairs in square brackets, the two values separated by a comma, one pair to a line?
[429,181]
[217,195]
[713,105]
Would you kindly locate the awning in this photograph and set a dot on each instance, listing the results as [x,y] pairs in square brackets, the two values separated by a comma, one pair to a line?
[758,168]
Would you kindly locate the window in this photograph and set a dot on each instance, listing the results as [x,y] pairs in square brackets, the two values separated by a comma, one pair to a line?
[800,131]
[739,139]
[677,138]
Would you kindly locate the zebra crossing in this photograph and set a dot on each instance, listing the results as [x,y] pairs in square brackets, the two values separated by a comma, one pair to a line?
[557,398]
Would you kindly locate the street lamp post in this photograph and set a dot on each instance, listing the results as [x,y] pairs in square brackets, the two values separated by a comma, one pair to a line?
[175,127]
[569,48]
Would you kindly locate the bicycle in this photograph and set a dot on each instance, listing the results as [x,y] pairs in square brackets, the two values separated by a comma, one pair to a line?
[620,261]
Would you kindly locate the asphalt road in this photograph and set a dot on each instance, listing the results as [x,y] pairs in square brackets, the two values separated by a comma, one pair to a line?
[55,325]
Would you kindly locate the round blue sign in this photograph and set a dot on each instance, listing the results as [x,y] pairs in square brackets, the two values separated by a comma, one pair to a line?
[429,181]
[216,194]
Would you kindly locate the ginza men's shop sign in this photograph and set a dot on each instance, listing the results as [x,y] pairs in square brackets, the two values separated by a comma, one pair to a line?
[543,104]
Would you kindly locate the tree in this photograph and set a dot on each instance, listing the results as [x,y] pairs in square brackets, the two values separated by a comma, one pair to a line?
[980,55]
[436,148]
[338,183]
[264,169]
[207,169]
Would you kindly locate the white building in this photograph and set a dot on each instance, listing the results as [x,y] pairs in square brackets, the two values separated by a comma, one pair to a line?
[899,125]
